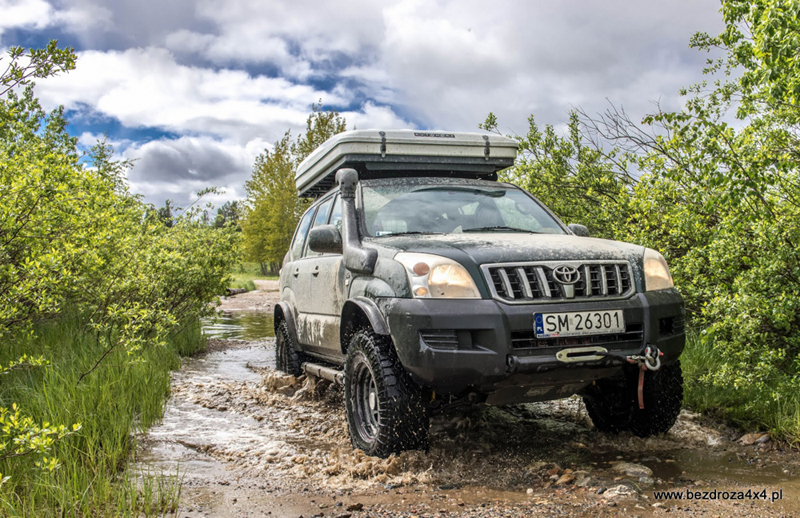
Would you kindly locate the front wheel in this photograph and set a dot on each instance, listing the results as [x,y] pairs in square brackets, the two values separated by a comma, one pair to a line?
[385,414]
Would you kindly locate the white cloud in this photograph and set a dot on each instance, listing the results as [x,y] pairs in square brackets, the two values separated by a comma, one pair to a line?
[177,168]
[38,14]
[225,74]
[148,88]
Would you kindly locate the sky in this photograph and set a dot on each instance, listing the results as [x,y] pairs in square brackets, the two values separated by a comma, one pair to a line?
[194,90]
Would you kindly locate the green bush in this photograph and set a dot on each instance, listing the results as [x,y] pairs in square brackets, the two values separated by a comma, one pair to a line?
[722,203]
[97,297]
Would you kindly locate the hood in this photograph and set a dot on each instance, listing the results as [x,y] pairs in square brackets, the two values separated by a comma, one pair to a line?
[499,247]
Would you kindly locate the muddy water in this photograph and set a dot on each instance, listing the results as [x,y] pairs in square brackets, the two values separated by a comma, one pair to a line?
[249,442]
[239,325]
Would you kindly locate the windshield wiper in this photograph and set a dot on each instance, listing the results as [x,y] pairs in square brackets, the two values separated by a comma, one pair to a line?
[499,228]
[410,232]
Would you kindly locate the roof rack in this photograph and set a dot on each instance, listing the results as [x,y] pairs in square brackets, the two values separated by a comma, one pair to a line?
[394,153]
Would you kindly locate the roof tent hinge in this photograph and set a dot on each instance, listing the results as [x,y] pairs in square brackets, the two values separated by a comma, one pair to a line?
[486,147]
[383,143]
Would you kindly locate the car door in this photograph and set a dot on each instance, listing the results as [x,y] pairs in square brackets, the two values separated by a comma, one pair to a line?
[327,284]
[296,272]
[307,270]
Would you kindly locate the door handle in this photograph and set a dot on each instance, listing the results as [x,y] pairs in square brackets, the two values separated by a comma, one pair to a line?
[316,271]
[296,272]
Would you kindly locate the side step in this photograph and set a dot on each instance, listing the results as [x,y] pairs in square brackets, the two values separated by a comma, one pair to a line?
[326,373]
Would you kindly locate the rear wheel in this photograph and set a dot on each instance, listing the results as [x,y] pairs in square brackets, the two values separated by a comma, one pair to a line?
[613,404]
[287,359]
[385,414]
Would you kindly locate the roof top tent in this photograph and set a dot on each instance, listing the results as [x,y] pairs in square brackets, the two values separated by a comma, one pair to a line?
[375,153]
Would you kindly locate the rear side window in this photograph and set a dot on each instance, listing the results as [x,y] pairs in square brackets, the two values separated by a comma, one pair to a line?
[300,235]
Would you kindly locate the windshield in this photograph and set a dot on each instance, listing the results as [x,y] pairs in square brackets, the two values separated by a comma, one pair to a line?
[450,206]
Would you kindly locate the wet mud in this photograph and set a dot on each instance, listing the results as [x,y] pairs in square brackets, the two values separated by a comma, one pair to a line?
[248,441]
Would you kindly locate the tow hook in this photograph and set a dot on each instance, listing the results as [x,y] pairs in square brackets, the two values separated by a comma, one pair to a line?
[650,360]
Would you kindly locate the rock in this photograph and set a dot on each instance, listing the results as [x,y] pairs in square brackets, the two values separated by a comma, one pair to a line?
[633,470]
[553,471]
[764,439]
[646,481]
[355,507]
[565,479]
[584,481]
[529,491]
[620,490]
[658,505]
[752,438]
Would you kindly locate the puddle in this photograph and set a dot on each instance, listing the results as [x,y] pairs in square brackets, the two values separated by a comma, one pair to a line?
[239,325]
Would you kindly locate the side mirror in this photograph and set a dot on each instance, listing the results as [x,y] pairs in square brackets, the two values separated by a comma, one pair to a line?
[325,239]
[578,230]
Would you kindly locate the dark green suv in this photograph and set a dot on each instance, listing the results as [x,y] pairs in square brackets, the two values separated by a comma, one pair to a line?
[421,289]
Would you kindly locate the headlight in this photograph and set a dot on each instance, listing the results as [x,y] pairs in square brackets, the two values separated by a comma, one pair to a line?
[433,276]
[656,271]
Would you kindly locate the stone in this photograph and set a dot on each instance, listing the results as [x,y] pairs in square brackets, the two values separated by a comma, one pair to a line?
[633,470]
[751,438]
[565,479]
[646,481]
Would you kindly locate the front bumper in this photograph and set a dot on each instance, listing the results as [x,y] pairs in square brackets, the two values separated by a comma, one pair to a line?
[484,345]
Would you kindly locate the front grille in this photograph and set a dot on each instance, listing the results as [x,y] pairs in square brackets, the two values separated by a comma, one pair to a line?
[535,282]
[528,340]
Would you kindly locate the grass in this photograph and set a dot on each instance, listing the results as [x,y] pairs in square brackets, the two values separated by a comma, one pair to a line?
[124,395]
[246,273]
[744,407]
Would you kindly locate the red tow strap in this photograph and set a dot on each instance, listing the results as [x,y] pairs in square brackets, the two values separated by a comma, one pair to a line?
[640,390]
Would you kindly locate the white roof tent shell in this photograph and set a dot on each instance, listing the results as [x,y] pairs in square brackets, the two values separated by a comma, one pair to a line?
[384,154]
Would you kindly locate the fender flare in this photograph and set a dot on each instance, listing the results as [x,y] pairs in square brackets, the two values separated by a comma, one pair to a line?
[354,310]
[283,310]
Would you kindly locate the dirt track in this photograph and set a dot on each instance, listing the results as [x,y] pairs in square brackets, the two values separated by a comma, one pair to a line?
[250,442]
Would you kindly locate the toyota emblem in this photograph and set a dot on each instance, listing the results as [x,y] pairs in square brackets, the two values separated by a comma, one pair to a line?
[565,274]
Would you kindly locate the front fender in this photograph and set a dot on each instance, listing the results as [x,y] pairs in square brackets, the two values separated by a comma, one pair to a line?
[360,311]
[283,310]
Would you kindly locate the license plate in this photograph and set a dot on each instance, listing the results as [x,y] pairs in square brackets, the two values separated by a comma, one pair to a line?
[577,323]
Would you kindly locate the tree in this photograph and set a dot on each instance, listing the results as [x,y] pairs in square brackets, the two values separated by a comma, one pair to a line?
[721,201]
[167,213]
[228,214]
[272,208]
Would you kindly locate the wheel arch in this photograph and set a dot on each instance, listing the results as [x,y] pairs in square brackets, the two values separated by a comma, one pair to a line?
[283,312]
[360,312]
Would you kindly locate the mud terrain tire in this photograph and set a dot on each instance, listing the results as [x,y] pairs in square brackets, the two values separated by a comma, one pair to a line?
[287,359]
[663,396]
[610,403]
[385,414]
[613,404]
